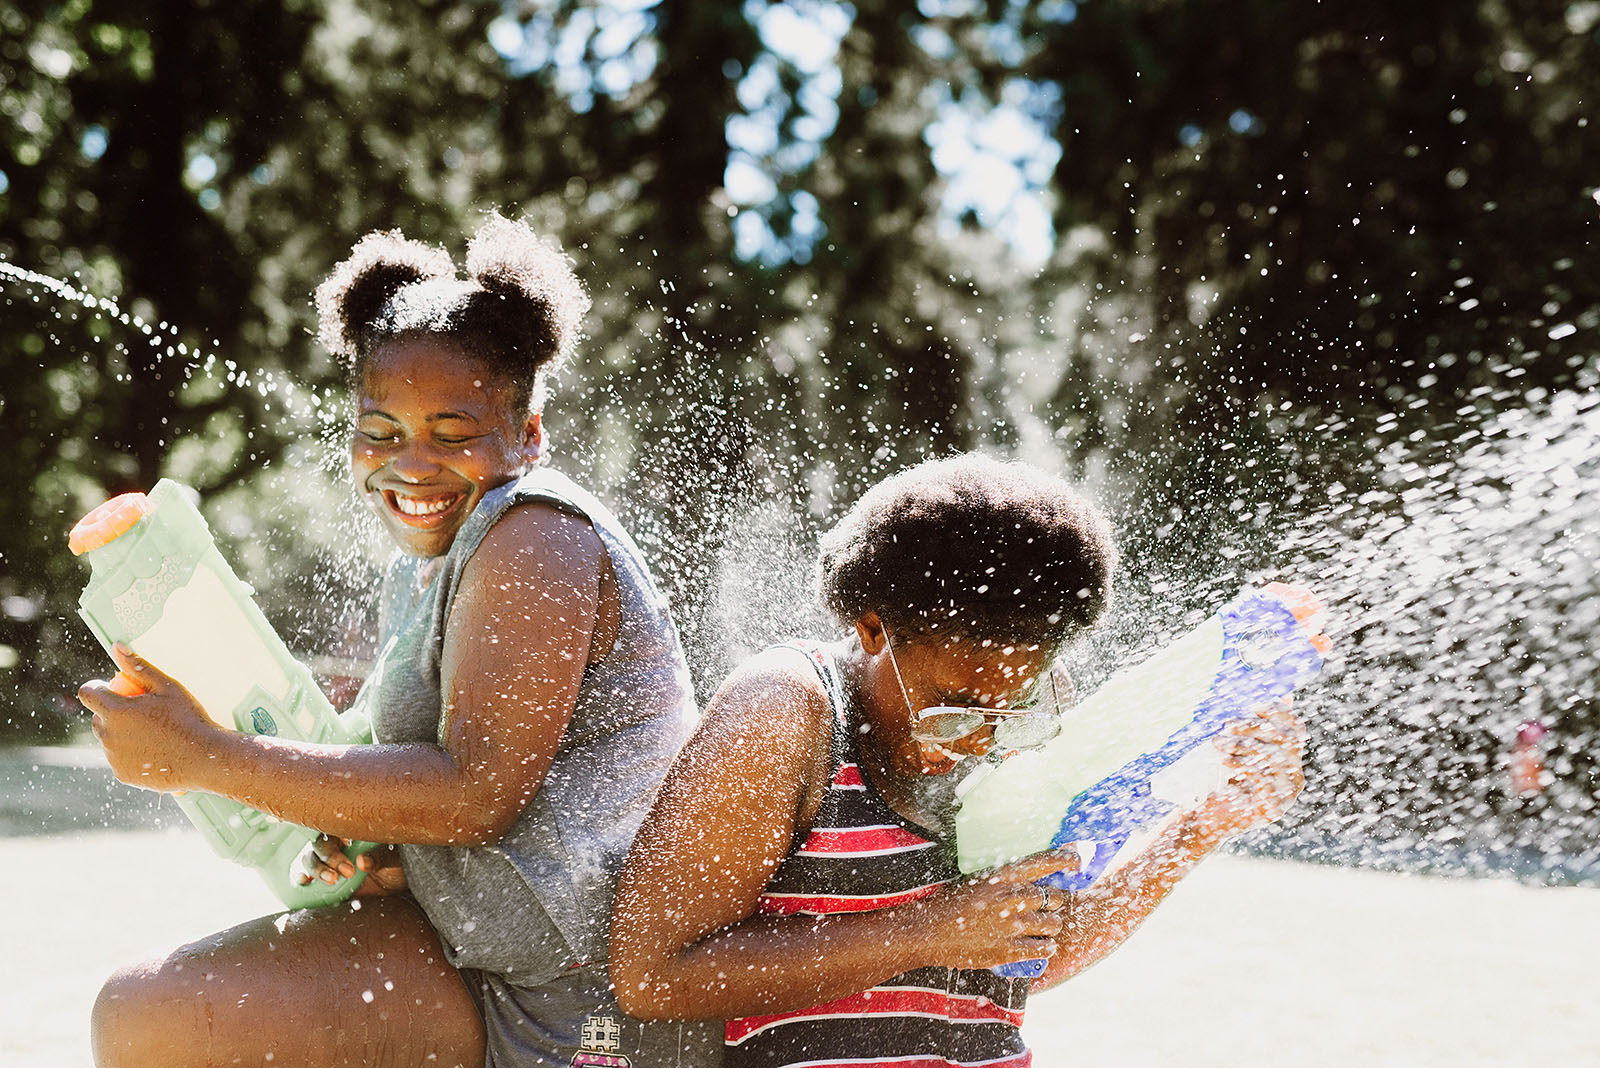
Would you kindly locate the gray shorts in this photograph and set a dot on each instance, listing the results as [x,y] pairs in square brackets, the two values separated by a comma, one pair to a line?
[573,1022]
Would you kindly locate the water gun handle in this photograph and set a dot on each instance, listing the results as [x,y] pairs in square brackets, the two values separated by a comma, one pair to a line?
[274,848]
[251,837]
[316,893]
[277,846]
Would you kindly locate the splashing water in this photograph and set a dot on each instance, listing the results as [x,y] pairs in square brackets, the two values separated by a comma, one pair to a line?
[291,399]
[1464,596]
[279,515]
[1462,577]
[1470,600]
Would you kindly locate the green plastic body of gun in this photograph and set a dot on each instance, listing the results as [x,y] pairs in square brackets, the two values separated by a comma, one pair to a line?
[159,586]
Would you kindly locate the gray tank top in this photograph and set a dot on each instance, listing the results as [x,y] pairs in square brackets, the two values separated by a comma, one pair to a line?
[537,901]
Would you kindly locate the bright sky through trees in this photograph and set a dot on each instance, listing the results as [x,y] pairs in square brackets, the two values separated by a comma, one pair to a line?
[995,158]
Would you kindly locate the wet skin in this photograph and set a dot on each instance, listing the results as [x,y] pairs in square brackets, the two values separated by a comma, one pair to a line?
[536,603]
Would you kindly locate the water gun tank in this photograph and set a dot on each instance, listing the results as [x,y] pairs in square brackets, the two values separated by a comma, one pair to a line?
[159,585]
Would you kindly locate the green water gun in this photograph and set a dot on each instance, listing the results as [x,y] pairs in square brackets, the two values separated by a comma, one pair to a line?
[158,585]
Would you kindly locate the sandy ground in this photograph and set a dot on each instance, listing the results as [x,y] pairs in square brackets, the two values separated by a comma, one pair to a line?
[1251,962]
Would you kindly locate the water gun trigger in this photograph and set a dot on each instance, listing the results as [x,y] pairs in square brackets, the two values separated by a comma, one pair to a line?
[122,684]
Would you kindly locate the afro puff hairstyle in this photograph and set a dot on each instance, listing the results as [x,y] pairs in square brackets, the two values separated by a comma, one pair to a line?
[518,309]
[970,547]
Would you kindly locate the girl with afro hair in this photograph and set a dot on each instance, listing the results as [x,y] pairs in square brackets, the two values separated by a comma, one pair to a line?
[795,877]
[530,695]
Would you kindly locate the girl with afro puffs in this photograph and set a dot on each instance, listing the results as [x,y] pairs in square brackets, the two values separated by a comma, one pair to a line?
[530,694]
[794,877]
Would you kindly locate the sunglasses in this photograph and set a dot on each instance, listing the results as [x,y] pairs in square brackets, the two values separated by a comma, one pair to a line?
[1023,727]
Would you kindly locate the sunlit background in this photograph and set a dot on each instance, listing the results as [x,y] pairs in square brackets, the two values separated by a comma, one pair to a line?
[1298,289]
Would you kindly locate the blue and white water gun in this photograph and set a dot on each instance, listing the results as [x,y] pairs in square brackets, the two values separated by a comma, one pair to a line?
[1131,753]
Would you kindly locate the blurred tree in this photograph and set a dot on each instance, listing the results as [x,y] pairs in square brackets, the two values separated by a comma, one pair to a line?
[798,284]
[121,138]
[1344,200]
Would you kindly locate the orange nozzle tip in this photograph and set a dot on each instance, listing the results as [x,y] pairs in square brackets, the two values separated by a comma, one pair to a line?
[107,522]
[1297,599]
[124,685]
[1321,643]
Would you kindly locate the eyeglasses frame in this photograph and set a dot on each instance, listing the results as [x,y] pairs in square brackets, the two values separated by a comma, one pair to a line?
[989,716]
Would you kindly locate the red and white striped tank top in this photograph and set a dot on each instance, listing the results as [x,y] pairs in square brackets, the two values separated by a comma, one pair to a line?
[862,855]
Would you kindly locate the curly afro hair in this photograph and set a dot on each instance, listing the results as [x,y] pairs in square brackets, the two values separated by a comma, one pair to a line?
[971,547]
[518,309]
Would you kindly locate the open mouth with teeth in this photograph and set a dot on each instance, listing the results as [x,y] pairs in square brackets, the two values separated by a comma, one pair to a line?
[422,511]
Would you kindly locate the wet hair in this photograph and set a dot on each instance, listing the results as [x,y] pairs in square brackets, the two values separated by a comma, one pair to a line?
[517,310]
[971,547]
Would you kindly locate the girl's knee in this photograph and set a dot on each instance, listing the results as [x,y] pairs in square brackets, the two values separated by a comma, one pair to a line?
[323,987]
[179,1012]
[130,1023]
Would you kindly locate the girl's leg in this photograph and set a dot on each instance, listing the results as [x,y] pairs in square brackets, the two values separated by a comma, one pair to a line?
[345,985]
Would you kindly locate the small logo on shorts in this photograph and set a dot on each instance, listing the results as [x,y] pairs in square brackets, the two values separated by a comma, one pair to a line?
[601,1038]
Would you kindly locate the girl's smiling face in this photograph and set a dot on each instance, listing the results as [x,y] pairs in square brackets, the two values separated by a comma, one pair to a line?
[435,430]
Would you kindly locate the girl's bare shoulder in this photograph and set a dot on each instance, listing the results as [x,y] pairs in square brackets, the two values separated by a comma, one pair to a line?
[777,683]
[771,710]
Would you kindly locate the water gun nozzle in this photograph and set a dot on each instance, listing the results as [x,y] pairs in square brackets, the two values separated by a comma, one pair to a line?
[1308,611]
[107,522]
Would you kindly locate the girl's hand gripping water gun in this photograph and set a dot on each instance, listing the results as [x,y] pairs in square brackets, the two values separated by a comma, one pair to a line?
[159,586]
[1131,752]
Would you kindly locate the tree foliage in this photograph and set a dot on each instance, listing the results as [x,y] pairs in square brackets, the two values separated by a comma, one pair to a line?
[1251,203]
